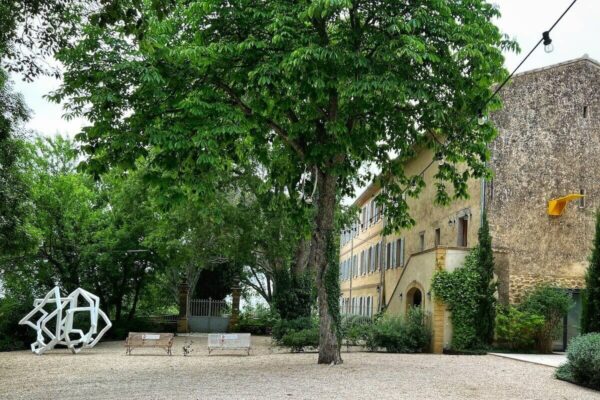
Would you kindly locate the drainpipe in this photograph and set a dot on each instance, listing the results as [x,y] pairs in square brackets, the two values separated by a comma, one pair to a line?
[381,266]
[351,272]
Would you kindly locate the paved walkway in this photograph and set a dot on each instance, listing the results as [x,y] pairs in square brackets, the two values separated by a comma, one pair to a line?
[551,360]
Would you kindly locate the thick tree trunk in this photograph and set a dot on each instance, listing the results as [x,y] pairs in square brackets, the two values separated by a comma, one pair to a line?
[323,242]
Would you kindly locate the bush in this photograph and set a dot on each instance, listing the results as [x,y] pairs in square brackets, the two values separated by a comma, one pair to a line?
[401,335]
[12,335]
[284,326]
[583,361]
[298,340]
[553,304]
[356,329]
[120,329]
[517,330]
[257,320]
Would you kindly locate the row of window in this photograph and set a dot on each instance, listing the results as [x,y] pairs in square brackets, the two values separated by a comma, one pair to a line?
[390,255]
[357,306]
[370,214]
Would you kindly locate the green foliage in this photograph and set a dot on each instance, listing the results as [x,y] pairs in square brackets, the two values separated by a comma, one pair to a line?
[356,329]
[401,335]
[553,304]
[469,293]
[459,291]
[298,340]
[486,301]
[517,330]
[12,335]
[121,328]
[302,88]
[285,326]
[294,295]
[583,361]
[590,313]
[257,320]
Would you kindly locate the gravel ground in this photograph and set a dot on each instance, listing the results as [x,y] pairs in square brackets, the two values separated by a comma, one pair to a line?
[105,372]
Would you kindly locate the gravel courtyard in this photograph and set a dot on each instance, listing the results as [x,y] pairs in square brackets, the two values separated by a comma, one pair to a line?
[105,372]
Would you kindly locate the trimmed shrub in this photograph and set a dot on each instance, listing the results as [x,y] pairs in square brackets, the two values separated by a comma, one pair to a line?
[401,335]
[517,330]
[284,326]
[298,340]
[553,304]
[583,361]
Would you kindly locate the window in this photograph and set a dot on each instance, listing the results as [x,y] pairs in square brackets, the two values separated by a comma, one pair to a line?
[388,261]
[360,306]
[582,200]
[438,237]
[463,231]
[399,252]
[376,263]
[371,212]
[368,307]
[364,217]
[393,257]
[362,263]
[585,111]
[422,241]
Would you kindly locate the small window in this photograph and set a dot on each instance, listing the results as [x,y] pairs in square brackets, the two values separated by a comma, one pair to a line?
[388,261]
[582,200]
[422,241]
[399,252]
[585,111]
[463,231]
[438,237]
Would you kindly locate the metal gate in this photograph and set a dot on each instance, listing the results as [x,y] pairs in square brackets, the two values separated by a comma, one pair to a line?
[207,315]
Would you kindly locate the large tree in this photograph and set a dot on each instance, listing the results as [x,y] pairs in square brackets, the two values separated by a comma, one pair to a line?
[326,86]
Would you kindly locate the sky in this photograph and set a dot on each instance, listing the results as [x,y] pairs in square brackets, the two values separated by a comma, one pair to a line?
[524,20]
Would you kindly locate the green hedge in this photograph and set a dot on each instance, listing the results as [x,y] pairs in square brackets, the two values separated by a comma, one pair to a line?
[583,361]
[409,334]
[516,329]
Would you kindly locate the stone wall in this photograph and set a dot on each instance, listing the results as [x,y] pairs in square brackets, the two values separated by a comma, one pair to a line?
[548,147]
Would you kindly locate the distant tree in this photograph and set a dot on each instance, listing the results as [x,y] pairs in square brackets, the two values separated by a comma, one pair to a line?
[486,303]
[590,315]
[315,89]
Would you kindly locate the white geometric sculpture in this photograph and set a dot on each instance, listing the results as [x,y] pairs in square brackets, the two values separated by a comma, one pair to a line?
[62,311]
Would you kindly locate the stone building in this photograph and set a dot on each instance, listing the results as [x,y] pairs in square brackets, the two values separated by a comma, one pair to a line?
[547,153]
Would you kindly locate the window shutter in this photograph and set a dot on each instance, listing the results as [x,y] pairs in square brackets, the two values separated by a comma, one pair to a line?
[401,256]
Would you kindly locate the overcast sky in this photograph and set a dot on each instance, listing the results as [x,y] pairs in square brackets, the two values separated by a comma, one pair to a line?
[524,20]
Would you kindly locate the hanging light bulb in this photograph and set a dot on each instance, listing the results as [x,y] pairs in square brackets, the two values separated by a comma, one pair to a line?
[481,119]
[548,46]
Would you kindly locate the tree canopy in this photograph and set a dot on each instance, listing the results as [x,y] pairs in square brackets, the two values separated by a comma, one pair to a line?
[314,90]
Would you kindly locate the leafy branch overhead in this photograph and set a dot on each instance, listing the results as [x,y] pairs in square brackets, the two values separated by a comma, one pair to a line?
[336,84]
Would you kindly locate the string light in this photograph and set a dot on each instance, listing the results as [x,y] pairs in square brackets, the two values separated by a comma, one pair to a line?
[548,46]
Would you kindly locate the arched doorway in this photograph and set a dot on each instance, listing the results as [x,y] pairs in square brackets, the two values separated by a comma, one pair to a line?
[414,298]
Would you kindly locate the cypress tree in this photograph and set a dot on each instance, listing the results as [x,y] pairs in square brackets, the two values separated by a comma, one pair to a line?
[590,315]
[486,313]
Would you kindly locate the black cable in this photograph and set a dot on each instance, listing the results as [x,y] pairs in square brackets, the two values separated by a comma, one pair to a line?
[508,78]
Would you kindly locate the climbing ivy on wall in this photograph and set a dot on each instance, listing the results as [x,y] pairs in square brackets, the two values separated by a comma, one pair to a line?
[459,291]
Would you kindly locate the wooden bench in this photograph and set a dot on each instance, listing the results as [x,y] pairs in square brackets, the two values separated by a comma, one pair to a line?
[228,341]
[146,339]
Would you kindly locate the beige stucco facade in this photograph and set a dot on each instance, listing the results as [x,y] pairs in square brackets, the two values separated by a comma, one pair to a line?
[548,146]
